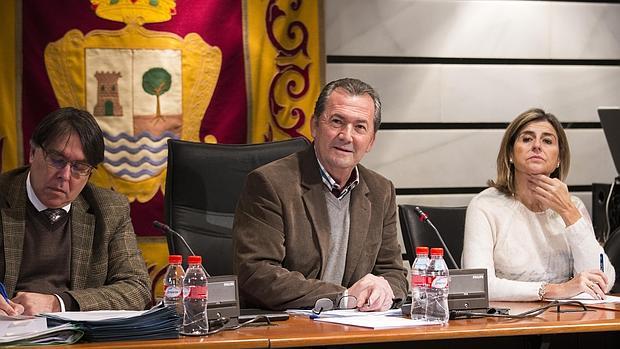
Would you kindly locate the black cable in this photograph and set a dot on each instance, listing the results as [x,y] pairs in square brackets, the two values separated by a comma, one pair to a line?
[224,321]
[455,314]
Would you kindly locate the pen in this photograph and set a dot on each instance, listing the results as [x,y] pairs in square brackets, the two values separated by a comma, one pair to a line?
[602,262]
[3,292]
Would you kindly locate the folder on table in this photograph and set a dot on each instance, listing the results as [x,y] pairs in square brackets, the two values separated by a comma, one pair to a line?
[156,323]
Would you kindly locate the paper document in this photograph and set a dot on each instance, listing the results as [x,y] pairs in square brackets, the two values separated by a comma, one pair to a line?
[377,322]
[16,317]
[344,313]
[95,315]
[587,299]
[34,331]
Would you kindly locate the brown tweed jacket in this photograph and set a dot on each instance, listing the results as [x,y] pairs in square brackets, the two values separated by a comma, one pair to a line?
[281,235]
[107,269]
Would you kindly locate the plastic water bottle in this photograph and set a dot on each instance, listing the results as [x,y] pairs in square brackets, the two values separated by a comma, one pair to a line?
[419,283]
[173,284]
[195,294]
[437,294]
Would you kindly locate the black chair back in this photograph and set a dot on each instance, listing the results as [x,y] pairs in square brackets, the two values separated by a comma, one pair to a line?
[449,221]
[612,249]
[203,184]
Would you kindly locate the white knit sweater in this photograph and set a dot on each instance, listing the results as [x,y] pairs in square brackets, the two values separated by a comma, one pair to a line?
[522,249]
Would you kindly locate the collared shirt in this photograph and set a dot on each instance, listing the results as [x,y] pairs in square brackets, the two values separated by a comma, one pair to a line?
[333,187]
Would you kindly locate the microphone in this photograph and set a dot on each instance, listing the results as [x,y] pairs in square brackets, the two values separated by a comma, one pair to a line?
[166,229]
[424,218]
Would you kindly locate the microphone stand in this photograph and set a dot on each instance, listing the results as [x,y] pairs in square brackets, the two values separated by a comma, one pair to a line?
[424,218]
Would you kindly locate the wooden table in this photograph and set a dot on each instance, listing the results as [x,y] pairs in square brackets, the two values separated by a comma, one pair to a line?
[225,340]
[300,331]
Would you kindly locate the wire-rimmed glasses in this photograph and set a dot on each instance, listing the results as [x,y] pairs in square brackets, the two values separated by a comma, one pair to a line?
[58,161]
[342,302]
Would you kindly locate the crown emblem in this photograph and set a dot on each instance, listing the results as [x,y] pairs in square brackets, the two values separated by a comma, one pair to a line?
[135,11]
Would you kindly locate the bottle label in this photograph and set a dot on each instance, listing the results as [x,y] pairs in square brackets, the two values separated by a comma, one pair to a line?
[439,281]
[418,280]
[195,292]
[172,291]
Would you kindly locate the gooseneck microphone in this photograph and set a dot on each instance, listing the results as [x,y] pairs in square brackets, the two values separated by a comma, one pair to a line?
[424,218]
[166,229]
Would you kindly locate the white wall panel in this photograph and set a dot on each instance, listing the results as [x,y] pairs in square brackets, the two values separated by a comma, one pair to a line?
[486,93]
[473,93]
[572,93]
[588,31]
[466,158]
[457,28]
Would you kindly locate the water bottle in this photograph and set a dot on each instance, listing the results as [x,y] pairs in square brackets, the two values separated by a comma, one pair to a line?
[195,295]
[419,283]
[437,294]
[173,284]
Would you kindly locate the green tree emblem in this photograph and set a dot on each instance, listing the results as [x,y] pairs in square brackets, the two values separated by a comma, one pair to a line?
[156,82]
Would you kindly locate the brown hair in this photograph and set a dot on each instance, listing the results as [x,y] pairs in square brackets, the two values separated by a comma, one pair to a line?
[505,169]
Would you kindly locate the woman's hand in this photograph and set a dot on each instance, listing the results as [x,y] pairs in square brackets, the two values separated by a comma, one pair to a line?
[553,193]
[592,282]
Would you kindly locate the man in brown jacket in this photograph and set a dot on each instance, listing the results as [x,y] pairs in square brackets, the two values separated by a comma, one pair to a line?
[317,224]
[64,243]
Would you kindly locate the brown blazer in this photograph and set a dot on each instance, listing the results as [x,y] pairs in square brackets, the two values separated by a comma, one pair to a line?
[107,269]
[281,235]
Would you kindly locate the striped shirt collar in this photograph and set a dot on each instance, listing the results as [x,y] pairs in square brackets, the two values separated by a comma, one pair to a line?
[331,184]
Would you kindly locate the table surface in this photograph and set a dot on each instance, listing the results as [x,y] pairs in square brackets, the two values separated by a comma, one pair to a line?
[300,331]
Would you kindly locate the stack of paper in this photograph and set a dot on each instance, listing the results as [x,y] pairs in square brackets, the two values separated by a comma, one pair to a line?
[27,330]
[98,326]
[376,320]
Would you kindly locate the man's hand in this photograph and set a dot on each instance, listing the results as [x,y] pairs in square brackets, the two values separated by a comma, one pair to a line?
[36,303]
[10,308]
[371,293]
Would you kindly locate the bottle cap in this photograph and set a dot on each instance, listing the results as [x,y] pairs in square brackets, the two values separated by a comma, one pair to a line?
[436,251]
[194,260]
[421,250]
[175,259]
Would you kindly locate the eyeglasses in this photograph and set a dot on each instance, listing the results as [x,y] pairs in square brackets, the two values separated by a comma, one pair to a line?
[57,161]
[342,302]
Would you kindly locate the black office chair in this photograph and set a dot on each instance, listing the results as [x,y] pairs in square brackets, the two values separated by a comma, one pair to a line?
[203,184]
[612,249]
[449,221]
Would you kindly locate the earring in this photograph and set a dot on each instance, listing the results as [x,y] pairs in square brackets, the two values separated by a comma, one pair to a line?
[510,160]
[558,166]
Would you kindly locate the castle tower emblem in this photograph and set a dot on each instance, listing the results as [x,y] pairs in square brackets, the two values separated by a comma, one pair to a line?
[107,94]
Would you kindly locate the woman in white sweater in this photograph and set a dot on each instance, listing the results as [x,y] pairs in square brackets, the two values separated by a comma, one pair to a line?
[534,238]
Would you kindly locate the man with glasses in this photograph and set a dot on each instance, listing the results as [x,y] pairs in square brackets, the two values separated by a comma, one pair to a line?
[317,229]
[66,244]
